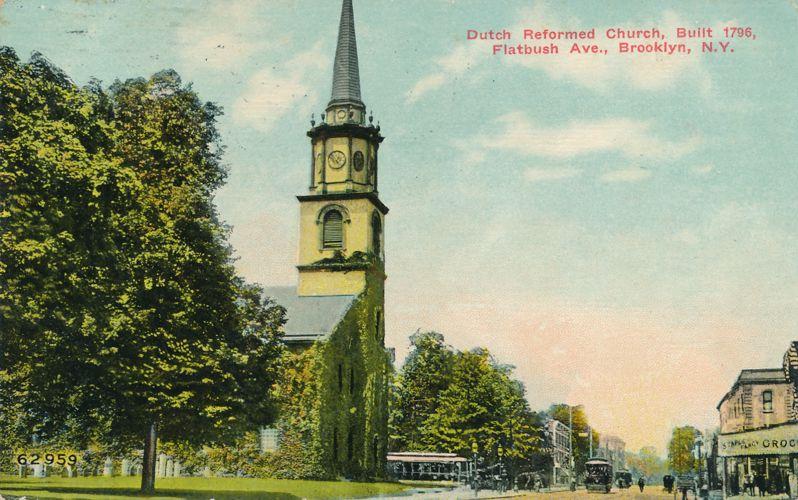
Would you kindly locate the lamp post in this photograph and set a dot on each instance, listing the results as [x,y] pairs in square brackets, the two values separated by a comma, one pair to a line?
[699,441]
[475,475]
[500,453]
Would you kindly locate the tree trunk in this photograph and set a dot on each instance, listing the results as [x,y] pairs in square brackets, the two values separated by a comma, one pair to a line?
[148,465]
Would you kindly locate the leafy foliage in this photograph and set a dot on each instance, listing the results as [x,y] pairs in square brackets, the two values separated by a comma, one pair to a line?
[426,373]
[335,393]
[647,462]
[118,298]
[450,401]
[680,449]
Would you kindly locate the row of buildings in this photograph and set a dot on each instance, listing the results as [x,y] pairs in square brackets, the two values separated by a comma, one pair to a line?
[758,438]
[559,436]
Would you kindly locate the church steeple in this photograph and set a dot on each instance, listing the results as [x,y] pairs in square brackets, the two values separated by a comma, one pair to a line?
[342,217]
[346,74]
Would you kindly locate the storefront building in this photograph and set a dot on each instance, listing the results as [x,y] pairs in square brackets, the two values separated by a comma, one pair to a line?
[758,440]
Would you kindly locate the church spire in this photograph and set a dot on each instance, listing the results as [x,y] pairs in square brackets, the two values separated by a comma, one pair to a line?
[346,75]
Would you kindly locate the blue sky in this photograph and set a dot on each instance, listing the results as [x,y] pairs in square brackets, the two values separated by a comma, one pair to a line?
[621,229]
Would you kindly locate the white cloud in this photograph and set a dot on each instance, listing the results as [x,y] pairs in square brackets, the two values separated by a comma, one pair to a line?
[649,72]
[703,169]
[631,138]
[550,174]
[451,66]
[224,37]
[631,174]
[273,92]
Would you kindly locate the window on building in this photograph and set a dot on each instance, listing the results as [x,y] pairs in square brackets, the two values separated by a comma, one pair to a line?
[335,444]
[376,234]
[269,439]
[378,325]
[333,230]
[767,401]
[350,445]
[340,377]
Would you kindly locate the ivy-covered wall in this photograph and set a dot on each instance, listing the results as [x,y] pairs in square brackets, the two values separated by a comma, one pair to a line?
[334,397]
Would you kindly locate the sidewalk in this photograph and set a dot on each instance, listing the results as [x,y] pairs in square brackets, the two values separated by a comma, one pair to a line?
[459,493]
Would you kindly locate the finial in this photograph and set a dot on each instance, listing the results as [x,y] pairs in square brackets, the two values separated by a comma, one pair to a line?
[371,117]
[378,126]
[323,117]
[312,119]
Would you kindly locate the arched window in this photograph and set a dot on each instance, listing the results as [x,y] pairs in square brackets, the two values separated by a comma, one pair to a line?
[335,444]
[376,235]
[767,401]
[333,230]
[378,325]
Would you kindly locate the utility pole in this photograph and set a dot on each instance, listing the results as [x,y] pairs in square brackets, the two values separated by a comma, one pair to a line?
[571,435]
[590,435]
[571,446]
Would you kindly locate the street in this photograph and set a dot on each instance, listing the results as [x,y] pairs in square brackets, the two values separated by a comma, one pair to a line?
[631,493]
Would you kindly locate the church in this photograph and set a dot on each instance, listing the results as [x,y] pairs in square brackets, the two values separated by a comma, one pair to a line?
[333,398]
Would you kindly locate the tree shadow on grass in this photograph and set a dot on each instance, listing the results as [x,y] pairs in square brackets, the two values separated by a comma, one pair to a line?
[95,493]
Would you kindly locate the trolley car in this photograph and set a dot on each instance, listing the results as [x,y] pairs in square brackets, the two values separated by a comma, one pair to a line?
[598,475]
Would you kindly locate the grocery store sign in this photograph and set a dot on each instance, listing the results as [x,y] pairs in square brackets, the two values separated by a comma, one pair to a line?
[782,440]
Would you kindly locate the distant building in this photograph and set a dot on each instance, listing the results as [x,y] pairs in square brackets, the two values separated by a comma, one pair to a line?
[758,429]
[613,449]
[559,441]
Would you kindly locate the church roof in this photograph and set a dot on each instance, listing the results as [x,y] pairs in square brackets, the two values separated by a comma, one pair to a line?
[309,318]
[346,75]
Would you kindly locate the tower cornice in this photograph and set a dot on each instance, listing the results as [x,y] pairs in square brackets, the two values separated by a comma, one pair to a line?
[369,195]
[346,129]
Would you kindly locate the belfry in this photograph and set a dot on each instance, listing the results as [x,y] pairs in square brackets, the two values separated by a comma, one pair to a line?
[341,218]
[333,419]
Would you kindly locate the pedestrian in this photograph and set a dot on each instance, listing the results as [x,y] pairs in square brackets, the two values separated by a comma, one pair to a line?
[761,484]
[749,483]
[641,483]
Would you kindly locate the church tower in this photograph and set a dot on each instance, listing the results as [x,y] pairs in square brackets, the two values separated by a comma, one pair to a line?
[335,327]
[342,217]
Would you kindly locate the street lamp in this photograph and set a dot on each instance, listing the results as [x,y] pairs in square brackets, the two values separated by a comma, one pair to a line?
[699,441]
[475,476]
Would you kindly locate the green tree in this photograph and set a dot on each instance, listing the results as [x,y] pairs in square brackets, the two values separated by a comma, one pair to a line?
[483,406]
[415,393]
[680,449]
[646,462]
[582,431]
[123,318]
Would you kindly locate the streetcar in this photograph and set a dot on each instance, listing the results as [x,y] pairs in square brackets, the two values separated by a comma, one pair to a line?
[623,478]
[598,475]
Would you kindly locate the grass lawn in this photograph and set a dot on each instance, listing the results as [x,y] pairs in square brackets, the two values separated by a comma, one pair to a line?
[221,488]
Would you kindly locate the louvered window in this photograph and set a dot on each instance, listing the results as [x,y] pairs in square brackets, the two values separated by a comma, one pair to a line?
[376,235]
[333,230]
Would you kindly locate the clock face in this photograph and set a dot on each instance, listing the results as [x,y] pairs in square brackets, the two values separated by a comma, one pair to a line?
[341,114]
[336,159]
[357,161]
